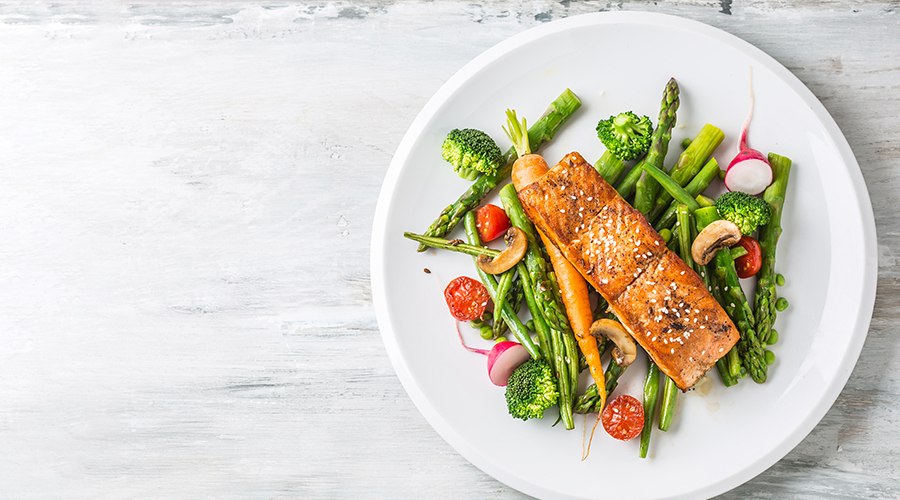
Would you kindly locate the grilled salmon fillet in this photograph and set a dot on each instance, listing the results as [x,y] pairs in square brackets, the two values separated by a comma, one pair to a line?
[656,296]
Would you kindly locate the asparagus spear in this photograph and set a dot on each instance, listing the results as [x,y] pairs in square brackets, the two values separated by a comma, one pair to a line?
[537,318]
[612,374]
[691,161]
[766,295]
[609,167]
[628,184]
[586,402]
[541,132]
[514,297]
[571,350]
[659,143]
[643,200]
[453,245]
[735,304]
[589,402]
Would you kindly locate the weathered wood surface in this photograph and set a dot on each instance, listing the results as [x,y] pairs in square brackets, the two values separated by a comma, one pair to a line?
[186,198]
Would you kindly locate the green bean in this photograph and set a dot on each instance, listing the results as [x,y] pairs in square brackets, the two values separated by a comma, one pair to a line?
[651,398]
[738,251]
[503,286]
[667,407]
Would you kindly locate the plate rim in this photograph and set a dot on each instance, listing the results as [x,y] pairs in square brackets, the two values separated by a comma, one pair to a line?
[869,279]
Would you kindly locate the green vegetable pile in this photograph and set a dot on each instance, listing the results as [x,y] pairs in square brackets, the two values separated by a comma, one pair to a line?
[672,201]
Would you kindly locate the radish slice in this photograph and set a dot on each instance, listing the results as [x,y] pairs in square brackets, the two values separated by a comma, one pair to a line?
[749,171]
[503,359]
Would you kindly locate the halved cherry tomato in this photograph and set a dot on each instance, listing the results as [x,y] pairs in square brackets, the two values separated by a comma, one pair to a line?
[491,222]
[749,264]
[467,298]
[623,419]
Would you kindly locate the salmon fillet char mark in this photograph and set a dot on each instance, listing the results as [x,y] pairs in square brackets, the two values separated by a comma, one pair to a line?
[618,253]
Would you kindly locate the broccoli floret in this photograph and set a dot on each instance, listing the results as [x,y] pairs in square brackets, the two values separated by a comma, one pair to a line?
[626,135]
[745,210]
[471,152]
[531,389]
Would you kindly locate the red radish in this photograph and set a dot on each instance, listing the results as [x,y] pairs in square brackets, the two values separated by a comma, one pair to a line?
[503,358]
[749,171]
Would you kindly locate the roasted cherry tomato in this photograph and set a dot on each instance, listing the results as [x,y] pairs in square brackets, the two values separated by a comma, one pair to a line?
[623,419]
[749,264]
[491,221]
[467,298]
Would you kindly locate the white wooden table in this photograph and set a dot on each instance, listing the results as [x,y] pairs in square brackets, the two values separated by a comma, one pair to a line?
[186,199]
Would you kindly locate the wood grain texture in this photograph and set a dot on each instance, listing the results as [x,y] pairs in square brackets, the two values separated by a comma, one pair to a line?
[186,199]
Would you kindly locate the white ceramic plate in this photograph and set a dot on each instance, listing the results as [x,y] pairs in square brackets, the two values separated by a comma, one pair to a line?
[721,437]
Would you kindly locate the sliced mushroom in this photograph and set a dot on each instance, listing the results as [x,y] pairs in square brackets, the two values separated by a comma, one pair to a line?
[625,350]
[516,244]
[714,237]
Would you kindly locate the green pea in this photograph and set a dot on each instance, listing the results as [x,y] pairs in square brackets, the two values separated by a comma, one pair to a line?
[781,304]
[665,234]
[487,316]
[686,142]
[779,279]
[476,324]
[770,357]
[487,332]
[773,337]
[764,344]
[501,339]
